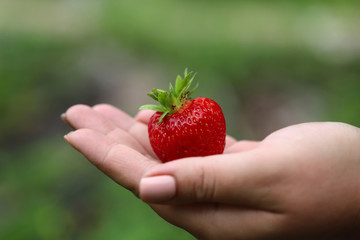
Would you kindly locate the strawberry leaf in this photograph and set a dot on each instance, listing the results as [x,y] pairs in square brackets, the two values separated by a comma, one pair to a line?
[172,101]
[153,107]
[194,89]
[153,96]
[162,117]
[165,100]
[178,85]
[172,90]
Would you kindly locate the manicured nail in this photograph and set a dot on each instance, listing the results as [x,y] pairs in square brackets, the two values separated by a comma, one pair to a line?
[157,189]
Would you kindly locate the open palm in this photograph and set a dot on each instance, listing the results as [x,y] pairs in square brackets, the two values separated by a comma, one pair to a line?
[300,182]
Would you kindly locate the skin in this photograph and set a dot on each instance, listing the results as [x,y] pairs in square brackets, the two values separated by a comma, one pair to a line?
[300,182]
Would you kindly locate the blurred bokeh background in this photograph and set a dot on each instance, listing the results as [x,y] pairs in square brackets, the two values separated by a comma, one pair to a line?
[269,64]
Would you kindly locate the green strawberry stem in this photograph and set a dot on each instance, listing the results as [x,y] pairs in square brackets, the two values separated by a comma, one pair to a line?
[171,102]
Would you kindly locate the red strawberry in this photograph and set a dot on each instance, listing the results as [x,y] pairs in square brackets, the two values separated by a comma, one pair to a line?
[182,127]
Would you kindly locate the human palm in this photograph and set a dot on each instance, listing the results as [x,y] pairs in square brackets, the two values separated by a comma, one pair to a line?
[295,184]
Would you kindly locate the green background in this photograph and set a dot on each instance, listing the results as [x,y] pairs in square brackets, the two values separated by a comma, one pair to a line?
[269,64]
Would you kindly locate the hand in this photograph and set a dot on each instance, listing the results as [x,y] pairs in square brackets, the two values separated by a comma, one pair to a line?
[301,182]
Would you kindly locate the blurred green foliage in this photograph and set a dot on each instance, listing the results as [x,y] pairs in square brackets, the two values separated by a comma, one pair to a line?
[268,63]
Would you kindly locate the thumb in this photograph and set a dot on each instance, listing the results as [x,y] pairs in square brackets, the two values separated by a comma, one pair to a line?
[240,178]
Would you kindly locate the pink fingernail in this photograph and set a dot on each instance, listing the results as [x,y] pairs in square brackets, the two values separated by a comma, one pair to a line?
[157,189]
[67,138]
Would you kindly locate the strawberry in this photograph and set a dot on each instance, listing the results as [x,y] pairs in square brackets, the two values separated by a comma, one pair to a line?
[182,127]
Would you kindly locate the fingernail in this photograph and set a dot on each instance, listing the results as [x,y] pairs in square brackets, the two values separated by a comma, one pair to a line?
[63,117]
[157,189]
[67,138]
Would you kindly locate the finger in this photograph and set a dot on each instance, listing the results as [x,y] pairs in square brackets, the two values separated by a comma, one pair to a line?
[121,163]
[118,117]
[135,127]
[229,141]
[241,146]
[220,221]
[82,116]
[140,132]
[242,178]
[144,116]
